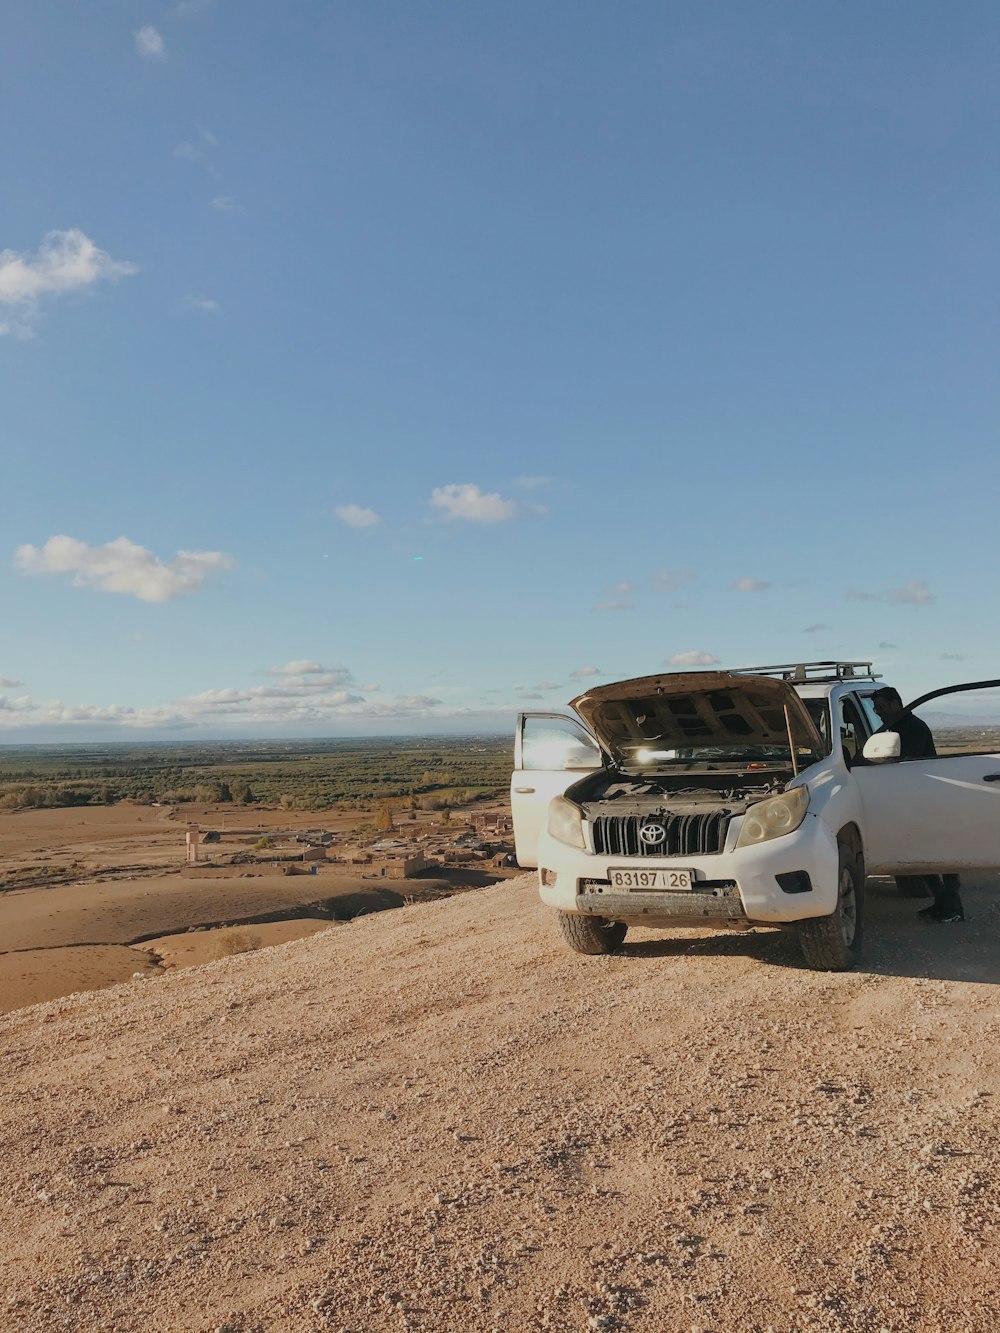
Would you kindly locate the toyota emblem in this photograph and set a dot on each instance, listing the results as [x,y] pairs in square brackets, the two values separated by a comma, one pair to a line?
[651,835]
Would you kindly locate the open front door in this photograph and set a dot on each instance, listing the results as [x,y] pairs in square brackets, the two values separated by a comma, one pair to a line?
[940,814]
[551,751]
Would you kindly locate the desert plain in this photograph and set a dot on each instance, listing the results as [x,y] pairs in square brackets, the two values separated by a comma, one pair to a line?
[96,894]
[436,1118]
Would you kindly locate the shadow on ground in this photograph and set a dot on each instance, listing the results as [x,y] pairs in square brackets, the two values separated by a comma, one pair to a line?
[897,942]
[461,877]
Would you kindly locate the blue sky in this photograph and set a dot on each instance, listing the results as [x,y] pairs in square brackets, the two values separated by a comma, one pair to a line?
[385,368]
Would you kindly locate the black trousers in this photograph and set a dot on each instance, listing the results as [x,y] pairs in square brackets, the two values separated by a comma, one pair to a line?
[945,889]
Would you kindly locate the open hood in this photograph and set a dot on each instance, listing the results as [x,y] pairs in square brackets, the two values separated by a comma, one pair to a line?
[638,721]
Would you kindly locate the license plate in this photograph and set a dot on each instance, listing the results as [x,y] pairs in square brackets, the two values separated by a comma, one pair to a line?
[650,879]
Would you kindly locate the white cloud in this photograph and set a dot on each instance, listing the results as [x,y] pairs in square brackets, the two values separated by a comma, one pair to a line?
[26,712]
[301,666]
[8,683]
[280,709]
[750,585]
[304,677]
[913,593]
[618,598]
[692,658]
[66,261]
[581,673]
[224,203]
[531,483]
[372,687]
[200,149]
[270,697]
[469,502]
[357,516]
[546,685]
[200,303]
[529,694]
[149,43]
[301,694]
[121,566]
[669,580]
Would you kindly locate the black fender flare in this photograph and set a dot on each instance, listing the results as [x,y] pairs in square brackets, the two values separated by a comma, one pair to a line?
[850,836]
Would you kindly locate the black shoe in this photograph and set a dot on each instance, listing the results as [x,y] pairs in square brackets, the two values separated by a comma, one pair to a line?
[942,916]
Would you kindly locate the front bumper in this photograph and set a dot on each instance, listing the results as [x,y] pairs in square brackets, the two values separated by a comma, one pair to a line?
[732,886]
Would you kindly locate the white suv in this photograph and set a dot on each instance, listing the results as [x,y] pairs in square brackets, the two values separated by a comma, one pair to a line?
[739,798]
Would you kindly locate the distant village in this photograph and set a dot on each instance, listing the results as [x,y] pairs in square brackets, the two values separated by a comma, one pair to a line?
[415,845]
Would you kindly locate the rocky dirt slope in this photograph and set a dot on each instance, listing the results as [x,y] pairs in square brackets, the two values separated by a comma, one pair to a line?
[438,1119]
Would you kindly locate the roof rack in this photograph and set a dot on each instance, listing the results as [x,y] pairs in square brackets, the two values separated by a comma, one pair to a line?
[815,671]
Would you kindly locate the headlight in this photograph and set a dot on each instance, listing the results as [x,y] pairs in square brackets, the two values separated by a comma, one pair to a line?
[566,822]
[774,817]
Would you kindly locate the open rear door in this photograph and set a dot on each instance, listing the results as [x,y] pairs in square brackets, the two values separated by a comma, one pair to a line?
[551,751]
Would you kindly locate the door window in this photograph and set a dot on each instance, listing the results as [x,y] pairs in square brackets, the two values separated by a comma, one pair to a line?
[957,729]
[871,717]
[853,732]
[820,714]
[550,742]
[962,720]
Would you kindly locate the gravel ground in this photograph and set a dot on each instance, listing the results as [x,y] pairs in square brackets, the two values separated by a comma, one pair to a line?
[440,1119]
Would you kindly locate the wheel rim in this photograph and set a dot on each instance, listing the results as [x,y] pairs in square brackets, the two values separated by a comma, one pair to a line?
[848,907]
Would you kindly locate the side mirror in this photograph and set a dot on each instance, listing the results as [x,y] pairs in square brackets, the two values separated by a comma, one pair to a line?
[882,748]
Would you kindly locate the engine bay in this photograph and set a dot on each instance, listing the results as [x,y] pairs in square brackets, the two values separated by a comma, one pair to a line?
[680,794]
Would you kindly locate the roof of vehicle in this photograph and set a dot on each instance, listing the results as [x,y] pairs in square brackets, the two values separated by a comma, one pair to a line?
[799,673]
[818,680]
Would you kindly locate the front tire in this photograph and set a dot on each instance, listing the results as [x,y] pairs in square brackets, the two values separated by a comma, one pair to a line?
[591,934]
[833,943]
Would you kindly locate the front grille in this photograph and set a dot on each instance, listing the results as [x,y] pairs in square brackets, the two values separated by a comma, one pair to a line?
[686,835]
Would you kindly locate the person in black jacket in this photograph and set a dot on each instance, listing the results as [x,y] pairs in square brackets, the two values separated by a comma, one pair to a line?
[917,742]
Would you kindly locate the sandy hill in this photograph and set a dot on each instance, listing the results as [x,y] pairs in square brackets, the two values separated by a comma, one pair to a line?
[439,1119]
